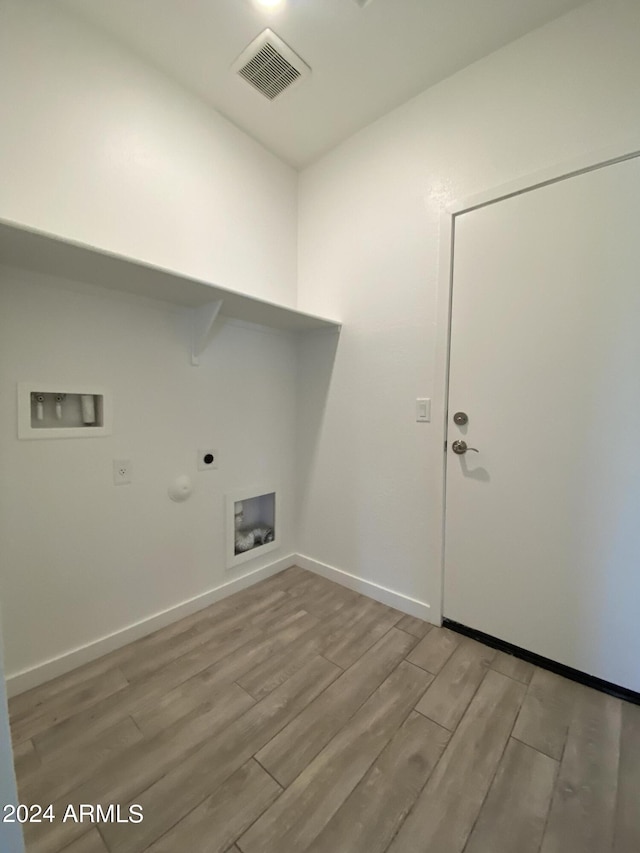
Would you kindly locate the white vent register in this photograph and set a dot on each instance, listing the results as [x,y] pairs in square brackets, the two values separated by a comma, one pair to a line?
[270,66]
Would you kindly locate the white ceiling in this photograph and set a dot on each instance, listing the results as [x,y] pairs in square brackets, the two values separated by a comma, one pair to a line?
[365,61]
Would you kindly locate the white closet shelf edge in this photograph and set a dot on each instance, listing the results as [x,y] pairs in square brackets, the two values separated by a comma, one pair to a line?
[30,249]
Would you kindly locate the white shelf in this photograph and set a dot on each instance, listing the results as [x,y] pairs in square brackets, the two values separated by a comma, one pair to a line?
[46,253]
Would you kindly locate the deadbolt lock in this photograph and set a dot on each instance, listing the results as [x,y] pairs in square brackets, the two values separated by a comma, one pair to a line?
[461,418]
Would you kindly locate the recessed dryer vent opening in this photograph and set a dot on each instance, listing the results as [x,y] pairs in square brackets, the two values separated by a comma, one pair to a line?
[251,525]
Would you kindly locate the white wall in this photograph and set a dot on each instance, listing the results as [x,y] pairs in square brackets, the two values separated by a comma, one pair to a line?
[82,558]
[370,477]
[99,147]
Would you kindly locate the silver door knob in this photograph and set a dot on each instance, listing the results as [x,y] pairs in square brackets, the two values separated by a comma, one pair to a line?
[459,446]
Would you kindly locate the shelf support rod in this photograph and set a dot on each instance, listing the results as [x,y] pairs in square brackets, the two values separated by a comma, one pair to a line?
[203,324]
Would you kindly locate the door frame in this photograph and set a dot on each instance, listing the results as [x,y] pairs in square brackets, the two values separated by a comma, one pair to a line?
[11,839]
[587,162]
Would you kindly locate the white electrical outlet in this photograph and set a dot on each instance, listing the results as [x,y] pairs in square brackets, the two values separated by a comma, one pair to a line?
[207,459]
[122,472]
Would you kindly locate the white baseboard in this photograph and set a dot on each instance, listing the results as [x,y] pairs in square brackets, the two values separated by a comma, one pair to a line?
[412,606]
[42,672]
[26,679]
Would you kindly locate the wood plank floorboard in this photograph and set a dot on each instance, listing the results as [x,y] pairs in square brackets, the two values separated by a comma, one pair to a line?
[181,789]
[583,808]
[435,649]
[513,667]
[175,705]
[544,719]
[49,776]
[328,602]
[304,809]
[360,633]
[453,688]
[414,626]
[118,779]
[372,814]
[627,832]
[247,642]
[25,703]
[294,747]
[266,676]
[297,715]
[63,707]
[515,812]
[447,808]
[225,815]
[25,759]
[90,843]
[84,726]
[144,647]
[143,665]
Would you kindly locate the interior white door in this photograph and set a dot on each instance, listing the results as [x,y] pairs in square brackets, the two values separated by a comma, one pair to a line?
[542,543]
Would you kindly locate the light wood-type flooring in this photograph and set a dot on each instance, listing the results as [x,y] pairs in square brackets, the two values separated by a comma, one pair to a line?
[299,716]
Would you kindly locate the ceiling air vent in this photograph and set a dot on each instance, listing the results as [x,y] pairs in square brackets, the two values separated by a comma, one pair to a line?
[270,66]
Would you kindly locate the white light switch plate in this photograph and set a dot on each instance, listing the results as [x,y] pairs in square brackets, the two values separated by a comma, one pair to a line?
[423,410]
